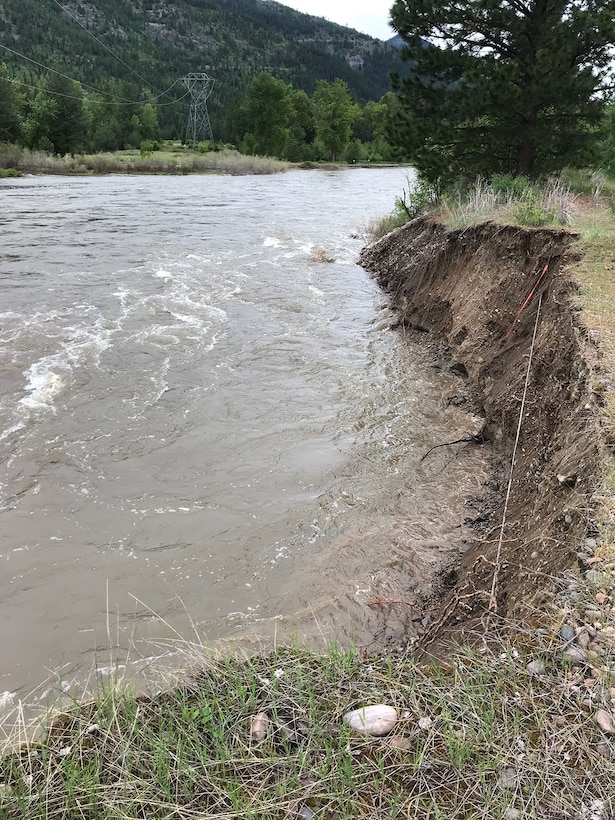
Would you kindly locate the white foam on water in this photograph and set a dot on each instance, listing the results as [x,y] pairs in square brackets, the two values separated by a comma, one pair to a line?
[77,346]
[273,242]
[316,291]
[7,699]
[14,429]
[43,385]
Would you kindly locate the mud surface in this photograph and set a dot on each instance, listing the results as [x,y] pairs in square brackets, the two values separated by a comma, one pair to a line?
[478,292]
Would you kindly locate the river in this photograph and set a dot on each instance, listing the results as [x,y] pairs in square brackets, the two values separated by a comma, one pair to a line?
[206,430]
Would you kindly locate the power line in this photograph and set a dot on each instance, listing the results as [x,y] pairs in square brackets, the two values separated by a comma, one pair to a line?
[105,46]
[90,87]
[92,100]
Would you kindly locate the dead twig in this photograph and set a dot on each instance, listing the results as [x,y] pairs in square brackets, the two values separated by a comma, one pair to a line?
[475,438]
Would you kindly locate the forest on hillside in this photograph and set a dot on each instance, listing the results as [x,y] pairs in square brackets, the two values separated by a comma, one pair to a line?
[138,51]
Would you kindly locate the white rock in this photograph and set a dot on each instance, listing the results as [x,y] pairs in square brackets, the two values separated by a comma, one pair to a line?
[376,720]
[425,723]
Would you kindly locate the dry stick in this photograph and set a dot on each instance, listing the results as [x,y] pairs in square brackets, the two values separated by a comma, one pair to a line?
[496,571]
[476,438]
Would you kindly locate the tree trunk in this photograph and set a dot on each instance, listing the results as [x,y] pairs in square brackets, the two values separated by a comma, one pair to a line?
[526,151]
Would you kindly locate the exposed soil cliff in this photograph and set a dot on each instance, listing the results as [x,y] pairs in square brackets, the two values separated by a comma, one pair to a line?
[468,288]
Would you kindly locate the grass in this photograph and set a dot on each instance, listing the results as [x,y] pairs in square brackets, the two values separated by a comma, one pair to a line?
[479,737]
[505,199]
[512,201]
[15,161]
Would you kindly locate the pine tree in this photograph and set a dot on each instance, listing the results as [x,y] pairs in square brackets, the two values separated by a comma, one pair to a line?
[507,86]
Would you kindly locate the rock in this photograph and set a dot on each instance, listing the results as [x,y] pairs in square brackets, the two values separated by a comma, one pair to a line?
[575,654]
[536,667]
[511,814]
[425,723]
[605,749]
[507,779]
[376,720]
[591,543]
[583,639]
[602,598]
[305,812]
[259,725]
[605,722]
[567,633]
[575,595]
[399,742]
[593,577]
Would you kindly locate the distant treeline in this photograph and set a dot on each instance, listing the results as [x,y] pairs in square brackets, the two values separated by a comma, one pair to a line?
[271,118]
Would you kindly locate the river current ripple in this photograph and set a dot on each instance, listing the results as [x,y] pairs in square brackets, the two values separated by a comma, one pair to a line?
[204,428]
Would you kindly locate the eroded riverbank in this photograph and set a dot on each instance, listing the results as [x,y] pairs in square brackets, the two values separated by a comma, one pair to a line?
[478,292]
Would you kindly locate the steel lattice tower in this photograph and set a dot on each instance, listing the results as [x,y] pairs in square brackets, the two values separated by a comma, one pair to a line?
[200,87]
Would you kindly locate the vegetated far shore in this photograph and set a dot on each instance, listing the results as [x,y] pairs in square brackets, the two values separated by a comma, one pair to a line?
[16,161]
[515,717]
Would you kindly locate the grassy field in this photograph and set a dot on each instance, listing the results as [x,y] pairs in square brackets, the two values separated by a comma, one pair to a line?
[520,725]
[15,161]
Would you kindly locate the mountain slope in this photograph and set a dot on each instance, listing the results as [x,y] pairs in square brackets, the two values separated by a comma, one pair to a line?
[150,44]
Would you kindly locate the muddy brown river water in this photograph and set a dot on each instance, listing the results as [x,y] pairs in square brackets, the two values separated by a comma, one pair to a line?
[204,430]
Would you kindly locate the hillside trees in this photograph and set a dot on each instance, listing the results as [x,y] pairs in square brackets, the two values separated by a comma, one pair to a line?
[501,85]
[56,119]
[10,105]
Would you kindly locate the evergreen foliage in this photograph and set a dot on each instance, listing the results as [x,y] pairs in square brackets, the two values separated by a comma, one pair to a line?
[606,145]
[10,103]
[509,86]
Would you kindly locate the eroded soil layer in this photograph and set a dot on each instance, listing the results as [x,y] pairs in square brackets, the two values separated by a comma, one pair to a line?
[479,290]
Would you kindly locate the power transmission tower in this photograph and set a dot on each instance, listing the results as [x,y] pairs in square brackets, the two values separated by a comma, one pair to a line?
[200,87]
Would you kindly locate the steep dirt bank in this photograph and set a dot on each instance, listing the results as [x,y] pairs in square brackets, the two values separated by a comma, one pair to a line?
[467,288]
